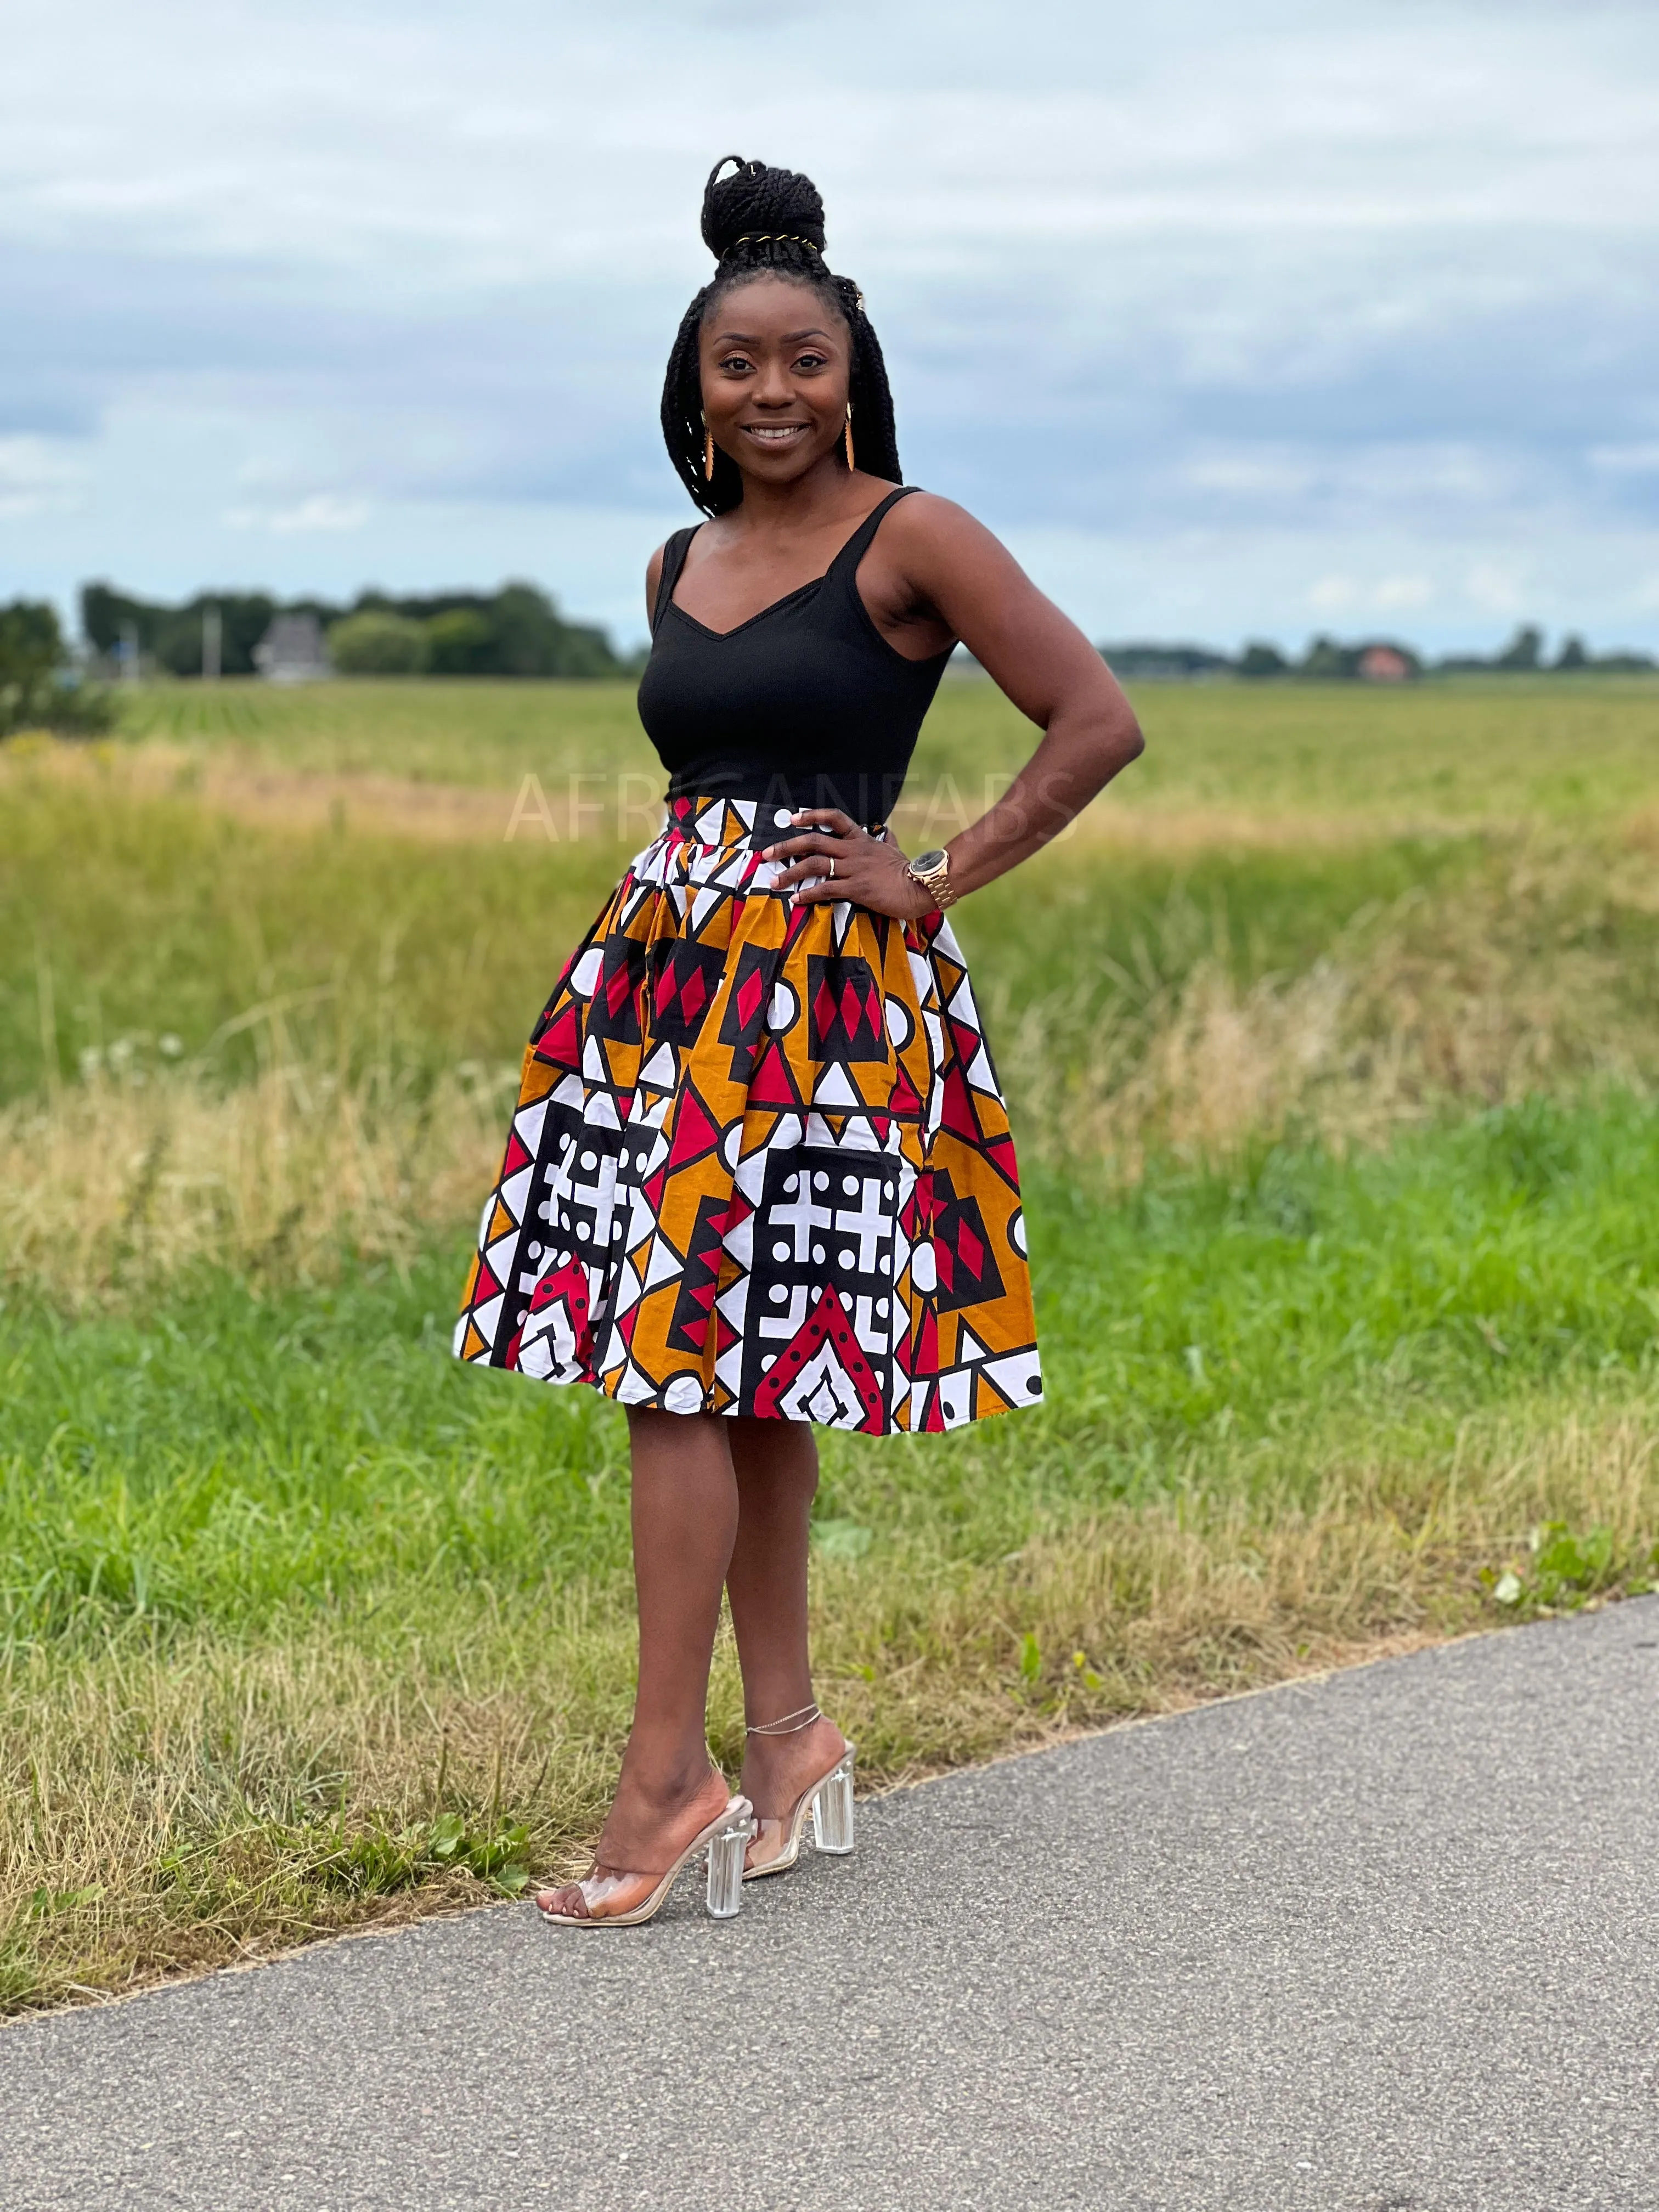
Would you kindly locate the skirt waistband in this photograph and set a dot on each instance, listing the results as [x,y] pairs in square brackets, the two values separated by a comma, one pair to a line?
[867,795]
[721,823]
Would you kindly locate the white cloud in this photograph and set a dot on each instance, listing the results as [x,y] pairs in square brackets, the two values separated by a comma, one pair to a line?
[1218,588]
[1335,594]
[1495,587]
[1345,594]
[1394,593]
[1249,475]
[1642,459]
[39,476]
[323,510]
[1371,281]
[320,512]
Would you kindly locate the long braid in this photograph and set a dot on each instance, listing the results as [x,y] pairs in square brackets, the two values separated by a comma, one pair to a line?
[761,220]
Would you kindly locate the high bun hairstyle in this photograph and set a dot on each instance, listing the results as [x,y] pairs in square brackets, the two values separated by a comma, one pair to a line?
[760,221]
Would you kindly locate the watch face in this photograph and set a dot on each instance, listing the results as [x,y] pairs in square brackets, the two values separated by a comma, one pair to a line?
[927,860]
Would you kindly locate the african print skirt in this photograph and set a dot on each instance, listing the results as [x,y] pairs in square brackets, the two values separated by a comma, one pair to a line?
[760,1163]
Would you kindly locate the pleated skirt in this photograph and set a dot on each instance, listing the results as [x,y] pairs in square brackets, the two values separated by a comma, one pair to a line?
[760,1163]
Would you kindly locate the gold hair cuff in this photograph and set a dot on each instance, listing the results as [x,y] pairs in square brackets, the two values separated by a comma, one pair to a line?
[769,238]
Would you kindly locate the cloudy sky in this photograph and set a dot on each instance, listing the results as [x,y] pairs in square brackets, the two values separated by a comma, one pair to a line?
[1250,321]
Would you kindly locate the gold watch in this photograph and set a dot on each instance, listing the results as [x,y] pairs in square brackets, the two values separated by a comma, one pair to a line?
[932,872]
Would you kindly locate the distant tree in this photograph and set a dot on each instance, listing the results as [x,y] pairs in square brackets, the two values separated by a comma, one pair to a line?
[1573,654]
[31,653]
[107,615]
[243,618]
[1162,662]
[461,643]
[1524,650]
[172,636]
[176,639]
[1327,662]
[517,631]
[586,652]
[37,686]
[533,638]
[378,642]
[528,634]
[1258,660]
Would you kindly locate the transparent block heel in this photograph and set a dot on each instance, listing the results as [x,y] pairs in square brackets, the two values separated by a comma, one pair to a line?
[832,1810]
[725,1852]
[722,1843]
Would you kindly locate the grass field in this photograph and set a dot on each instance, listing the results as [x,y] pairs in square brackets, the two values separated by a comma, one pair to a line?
[1331,1041]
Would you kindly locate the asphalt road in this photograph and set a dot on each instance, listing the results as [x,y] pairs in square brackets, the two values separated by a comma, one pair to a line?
[1384,1943]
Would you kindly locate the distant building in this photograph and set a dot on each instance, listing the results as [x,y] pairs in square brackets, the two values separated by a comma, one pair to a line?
[292,651]
[1383,663]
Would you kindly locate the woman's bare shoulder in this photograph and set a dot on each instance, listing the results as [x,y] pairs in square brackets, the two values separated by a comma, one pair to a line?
[925,530]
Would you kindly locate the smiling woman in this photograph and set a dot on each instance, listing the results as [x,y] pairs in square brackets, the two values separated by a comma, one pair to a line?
[765,221]
[760,1175]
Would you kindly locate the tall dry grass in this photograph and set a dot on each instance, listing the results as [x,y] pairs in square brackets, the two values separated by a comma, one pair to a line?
[112,1183]
[1504,986]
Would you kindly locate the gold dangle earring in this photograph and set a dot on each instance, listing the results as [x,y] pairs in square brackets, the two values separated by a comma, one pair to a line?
[708,450]
[846,436]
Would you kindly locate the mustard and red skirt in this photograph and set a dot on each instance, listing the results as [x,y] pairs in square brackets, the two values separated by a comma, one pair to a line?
[760,1161]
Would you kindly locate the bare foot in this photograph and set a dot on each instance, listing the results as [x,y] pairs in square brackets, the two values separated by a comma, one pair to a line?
[641,1840]
[777,1772]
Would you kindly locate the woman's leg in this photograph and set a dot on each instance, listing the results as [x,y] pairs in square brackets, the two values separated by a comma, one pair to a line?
[684,1520]
[776,1465]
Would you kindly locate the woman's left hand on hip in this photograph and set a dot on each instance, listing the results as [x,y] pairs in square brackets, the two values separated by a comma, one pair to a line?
[835,858]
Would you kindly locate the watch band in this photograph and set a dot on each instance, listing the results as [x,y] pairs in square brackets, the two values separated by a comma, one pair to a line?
[932,872]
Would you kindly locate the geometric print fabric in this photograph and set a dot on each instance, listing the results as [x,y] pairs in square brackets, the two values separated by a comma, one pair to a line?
[760,1163]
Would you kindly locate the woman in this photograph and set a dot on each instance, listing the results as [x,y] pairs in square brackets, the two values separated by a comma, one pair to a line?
[760,1175]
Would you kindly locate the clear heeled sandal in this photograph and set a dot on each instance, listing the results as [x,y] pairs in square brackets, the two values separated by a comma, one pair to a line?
[829,1800]
[723,1842]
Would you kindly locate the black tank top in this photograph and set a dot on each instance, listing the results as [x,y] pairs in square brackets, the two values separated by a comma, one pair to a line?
[805,704]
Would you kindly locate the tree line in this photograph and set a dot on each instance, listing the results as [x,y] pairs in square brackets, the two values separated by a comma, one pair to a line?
[516,631]
[41,688]
[1328,661]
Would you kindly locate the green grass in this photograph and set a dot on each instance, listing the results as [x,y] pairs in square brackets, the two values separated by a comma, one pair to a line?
[432,731]
[1467,751]
[1463,752]
[1335,1093]
[135,918]
[302,1621]
[124,917]
[152,916]
[238,1454]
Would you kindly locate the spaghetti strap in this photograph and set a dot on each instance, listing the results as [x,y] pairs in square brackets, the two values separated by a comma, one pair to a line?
[673,560]
[845,562]
[806,690]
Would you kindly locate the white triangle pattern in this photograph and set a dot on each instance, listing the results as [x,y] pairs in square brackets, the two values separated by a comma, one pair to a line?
[692,879]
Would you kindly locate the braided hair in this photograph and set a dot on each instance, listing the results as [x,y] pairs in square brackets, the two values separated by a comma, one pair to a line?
[765,221]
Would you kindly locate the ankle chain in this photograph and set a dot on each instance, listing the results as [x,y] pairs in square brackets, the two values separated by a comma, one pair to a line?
[790,1724]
